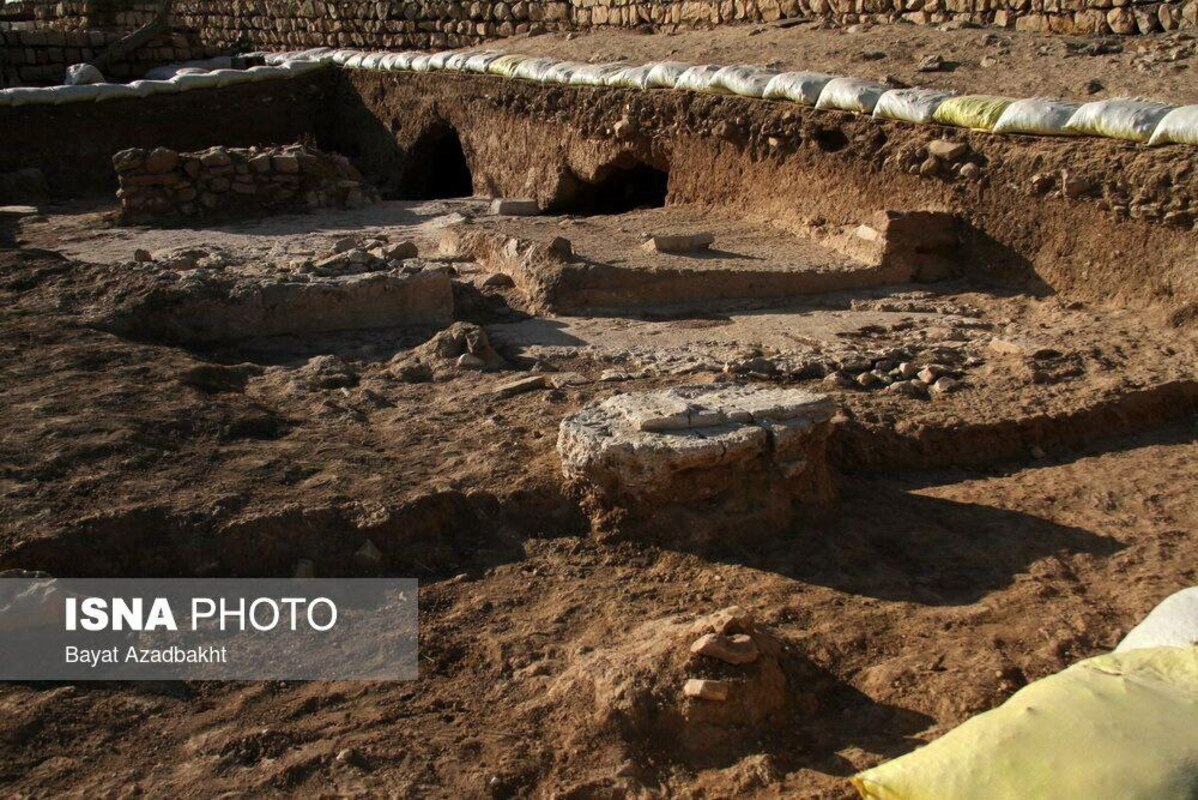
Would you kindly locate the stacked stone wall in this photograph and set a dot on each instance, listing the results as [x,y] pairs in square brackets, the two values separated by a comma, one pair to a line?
[225,181]
[432,24]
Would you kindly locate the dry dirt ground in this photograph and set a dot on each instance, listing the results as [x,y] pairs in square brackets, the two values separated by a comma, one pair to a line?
[983,539]
[1003,62]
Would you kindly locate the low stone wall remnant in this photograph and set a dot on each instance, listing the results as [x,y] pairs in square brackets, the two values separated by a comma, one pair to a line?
[224,181]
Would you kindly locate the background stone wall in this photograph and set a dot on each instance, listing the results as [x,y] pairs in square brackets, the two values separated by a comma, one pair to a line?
[386,24]
[31,56]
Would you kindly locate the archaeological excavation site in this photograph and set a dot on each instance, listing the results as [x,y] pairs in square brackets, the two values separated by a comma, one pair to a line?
[772,398]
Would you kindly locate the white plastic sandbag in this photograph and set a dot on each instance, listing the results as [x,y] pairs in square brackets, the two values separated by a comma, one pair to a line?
[1130,118]
[80,74]
[1042,116]
[631,78]
[533,69]
[420,63]
[561,72]
[30,95]
[594,74]
[799,87]
[851,94]
[231,77]
[1179,126]
[373,60]
[480,62]
[744,81]
[150,88]
[664,74]
[297,67]
[910,105]
[699,79]
[83,93]
[355,61]
[457,61]
[437,61]
[267,73]
[186,81]
[342,56]
[1173,623]
[115,91]
[505,65]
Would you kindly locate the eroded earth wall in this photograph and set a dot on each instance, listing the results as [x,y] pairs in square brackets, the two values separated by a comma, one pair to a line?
[1095,218]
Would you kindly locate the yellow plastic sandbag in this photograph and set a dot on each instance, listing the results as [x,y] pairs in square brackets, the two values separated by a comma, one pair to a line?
[1122,725]
[977,111]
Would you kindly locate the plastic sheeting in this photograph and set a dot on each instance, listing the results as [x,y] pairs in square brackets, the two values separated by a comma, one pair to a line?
[979,112]
[798,87]
[1133,119]
[1122,725]
[744,81]
[910,105]
[851,94]
[1173,623]
[1042,116]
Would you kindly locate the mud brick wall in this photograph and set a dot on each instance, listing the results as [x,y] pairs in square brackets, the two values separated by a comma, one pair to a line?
[253,114]
[222,181]
[30,57]
[383,24]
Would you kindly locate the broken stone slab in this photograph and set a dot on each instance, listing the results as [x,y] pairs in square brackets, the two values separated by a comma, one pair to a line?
[947,149]
[705,689]
[519,386]
[736,649]
[726,621]
[679,243]
[397,252]
[515,207]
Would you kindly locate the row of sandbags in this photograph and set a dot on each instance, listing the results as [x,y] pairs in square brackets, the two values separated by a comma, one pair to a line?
[183,80]
[1132,119]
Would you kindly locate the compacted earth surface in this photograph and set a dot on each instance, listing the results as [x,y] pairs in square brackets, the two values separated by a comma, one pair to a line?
[1010,468]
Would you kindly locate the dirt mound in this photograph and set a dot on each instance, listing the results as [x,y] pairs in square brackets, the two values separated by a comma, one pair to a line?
[669,687]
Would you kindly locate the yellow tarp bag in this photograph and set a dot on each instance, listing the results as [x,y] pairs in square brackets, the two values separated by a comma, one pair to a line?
[1122,725]
[977,111]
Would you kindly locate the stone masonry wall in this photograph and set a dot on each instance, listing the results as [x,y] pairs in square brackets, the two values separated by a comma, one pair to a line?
[223,181]
[31,57]
[386,24]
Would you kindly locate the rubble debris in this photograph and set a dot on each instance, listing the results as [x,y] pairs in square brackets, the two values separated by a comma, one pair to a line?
[704,689]
[514,207]
[736,649]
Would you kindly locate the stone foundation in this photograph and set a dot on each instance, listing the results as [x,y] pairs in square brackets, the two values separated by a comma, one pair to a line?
[225,181]
[700,465]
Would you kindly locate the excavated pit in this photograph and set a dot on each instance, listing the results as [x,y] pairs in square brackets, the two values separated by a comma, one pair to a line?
[895,554]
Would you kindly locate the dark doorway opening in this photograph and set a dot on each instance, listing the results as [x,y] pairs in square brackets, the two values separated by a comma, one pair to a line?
[617,189]
[437,167]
